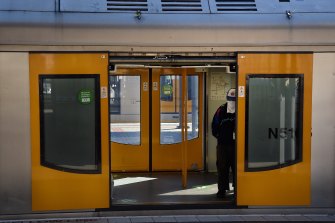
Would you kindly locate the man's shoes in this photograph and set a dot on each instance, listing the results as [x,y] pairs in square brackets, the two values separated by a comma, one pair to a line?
[221,194]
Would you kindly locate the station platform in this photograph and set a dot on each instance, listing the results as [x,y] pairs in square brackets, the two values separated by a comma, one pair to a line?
[181,216]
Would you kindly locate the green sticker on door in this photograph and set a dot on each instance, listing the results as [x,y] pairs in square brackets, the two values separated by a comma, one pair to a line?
[167,90]
[85,96]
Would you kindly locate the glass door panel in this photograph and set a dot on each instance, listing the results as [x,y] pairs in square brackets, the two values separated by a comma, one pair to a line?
[125,118]
[274,118]
[170,109]
[166,119]
[192,107]
[129,120]
[70,127]
[169,87]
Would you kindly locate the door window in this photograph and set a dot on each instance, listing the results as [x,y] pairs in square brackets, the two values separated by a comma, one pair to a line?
[274,121]
[125,109]
[170,109]
[192,107]
[114,92]
[70,122]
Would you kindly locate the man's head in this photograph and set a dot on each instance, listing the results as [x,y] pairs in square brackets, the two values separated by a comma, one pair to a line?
[231,95]
[231,98]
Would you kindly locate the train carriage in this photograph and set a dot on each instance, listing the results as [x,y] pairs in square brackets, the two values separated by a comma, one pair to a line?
[108,104]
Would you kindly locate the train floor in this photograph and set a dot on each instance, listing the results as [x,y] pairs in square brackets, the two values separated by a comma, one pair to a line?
[160,188]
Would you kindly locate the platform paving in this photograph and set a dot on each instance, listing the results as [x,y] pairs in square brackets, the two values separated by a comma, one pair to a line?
[250,214]
[185,219]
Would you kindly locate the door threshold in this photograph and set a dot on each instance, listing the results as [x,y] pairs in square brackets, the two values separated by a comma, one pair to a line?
[219,205]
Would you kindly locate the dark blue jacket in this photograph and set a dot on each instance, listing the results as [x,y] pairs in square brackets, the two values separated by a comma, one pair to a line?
[223,125]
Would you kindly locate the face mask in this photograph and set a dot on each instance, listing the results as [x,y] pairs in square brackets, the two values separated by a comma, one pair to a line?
[231,97]
[230,106]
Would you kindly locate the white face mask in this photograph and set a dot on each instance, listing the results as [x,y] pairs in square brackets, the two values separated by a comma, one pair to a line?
[230,106]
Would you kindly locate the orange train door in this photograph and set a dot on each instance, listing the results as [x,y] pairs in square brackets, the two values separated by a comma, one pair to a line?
[69,131]
[274,129]
[174,93]
[176,119]
[129,120]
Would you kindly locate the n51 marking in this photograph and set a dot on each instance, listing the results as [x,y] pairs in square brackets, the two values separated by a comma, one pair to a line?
[282,133]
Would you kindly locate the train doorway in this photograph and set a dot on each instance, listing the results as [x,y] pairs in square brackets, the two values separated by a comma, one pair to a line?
[157,127]
[156,120]
[273,128]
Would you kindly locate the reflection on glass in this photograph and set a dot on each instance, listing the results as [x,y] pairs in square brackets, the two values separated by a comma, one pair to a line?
[274,121]
[170,117]
[69,129]
[166,88]
[125,125]
[192,107]
[114,94]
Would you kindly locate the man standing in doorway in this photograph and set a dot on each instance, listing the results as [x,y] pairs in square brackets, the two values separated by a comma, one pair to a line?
[223,128]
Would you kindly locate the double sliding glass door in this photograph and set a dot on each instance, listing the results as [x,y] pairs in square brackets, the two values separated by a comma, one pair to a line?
[156,119]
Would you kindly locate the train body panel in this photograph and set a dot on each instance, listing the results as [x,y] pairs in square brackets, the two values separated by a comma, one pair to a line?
[206,30]
[15,143]
[323,131]
[84,23]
